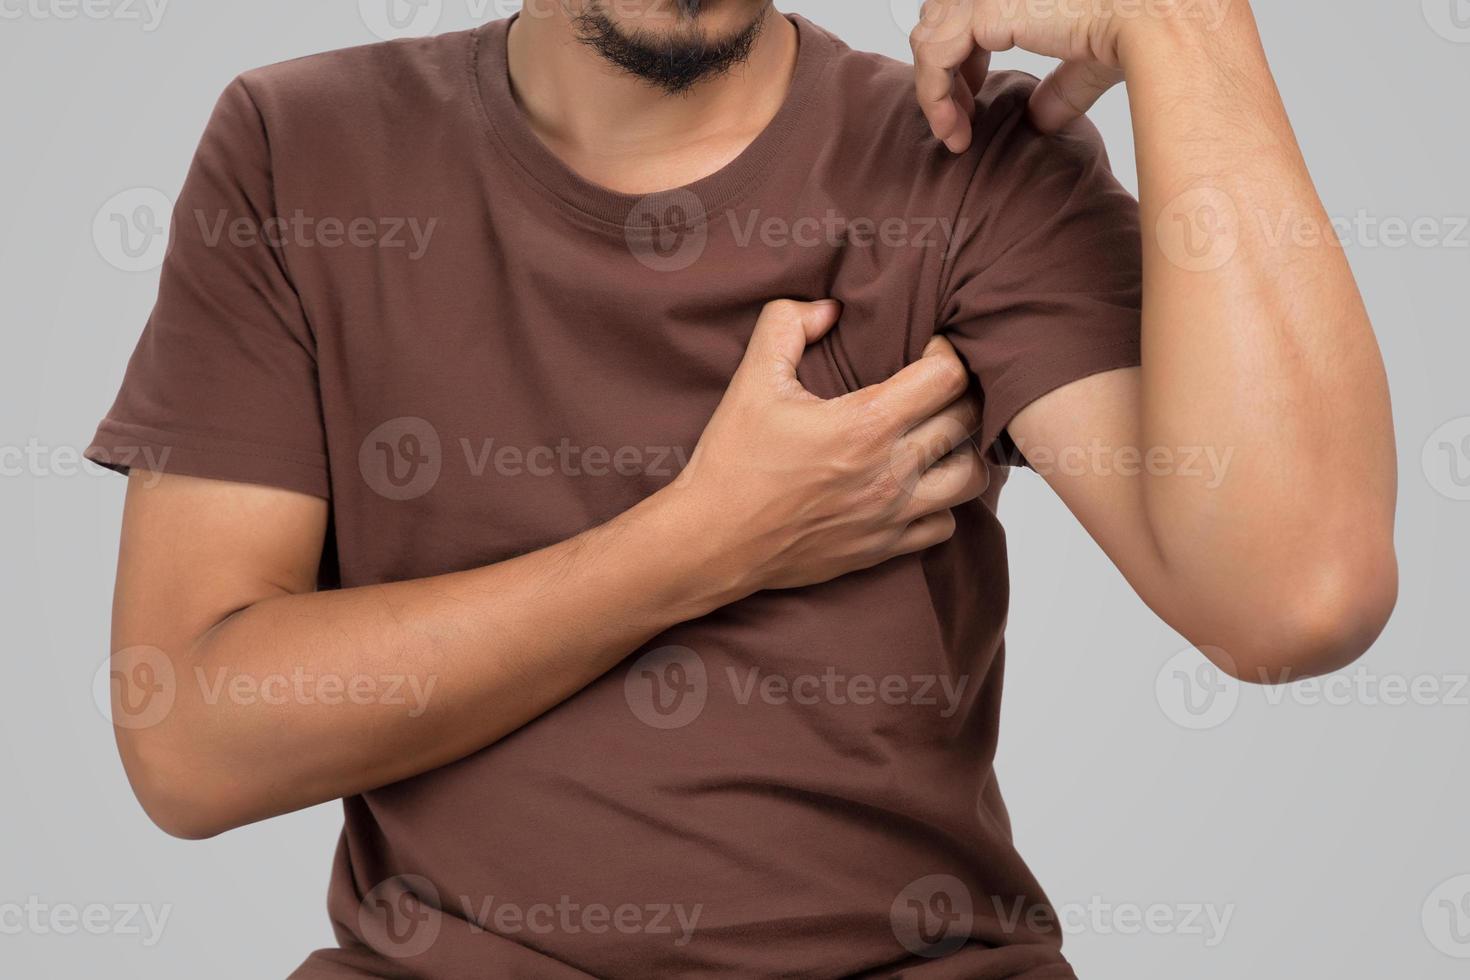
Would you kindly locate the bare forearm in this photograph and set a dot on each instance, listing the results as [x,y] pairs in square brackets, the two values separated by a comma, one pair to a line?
[282,697]
[1256,343]
[300,699]
[1256,347]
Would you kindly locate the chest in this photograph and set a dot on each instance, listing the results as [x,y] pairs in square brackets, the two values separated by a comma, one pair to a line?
[519,382]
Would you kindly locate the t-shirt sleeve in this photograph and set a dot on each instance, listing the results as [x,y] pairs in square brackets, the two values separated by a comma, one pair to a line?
[1044,286]
[223,383]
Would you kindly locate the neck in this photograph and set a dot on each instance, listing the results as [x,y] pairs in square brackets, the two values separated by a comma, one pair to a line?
[628,135]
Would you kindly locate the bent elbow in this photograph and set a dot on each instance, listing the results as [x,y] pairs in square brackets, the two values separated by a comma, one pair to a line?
[184,823]
[181,806]
[1320,629]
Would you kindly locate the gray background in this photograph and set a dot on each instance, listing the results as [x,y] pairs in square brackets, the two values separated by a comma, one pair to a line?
[1331,825]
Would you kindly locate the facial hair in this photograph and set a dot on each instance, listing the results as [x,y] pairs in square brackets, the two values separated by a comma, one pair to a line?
[676,62]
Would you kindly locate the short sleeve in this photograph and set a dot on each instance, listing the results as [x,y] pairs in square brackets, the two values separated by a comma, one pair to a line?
[223,383]
[1044,286]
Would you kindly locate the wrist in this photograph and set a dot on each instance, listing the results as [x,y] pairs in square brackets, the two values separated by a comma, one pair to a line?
[1181,33]
[692,569]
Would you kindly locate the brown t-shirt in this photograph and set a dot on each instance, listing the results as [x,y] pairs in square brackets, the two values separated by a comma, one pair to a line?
[384,290]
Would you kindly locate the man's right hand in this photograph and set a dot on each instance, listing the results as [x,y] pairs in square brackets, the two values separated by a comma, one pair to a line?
[790,489]
[217,579]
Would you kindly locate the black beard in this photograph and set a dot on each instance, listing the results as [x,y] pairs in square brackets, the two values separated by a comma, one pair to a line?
[675,64]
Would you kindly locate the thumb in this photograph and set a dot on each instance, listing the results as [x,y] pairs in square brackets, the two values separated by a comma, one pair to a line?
[782,334]
[1068,92]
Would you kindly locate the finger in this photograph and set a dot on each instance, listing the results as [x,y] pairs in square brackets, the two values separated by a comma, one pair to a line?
[956,479]
[918,391]
[936,437]
[782,334]
[965,87]
[1067,93]
[947,119]
[938,344]
[925,533]
[975,70]
[941,43]
[964,101]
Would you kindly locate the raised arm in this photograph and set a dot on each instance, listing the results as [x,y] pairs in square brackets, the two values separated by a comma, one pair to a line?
[1244,478]
[215,592]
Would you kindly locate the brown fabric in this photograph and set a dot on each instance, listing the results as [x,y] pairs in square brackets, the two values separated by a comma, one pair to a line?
[547,361]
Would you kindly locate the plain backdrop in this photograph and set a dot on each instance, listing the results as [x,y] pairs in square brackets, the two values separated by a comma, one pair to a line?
[1330,825]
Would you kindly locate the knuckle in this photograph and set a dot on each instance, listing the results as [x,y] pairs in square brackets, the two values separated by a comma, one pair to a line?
[783,311]
[951,489]
[881,492]
[993,29]
[936,447]
[950,374]
[937,345]
[871,422]
[978,477]
[972,411]
[966,421]
[884,487]
[1098,75]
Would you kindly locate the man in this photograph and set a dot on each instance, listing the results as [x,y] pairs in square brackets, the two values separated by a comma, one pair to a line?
[735,717]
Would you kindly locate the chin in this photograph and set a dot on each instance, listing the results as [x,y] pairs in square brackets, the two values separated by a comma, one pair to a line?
[714,19]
